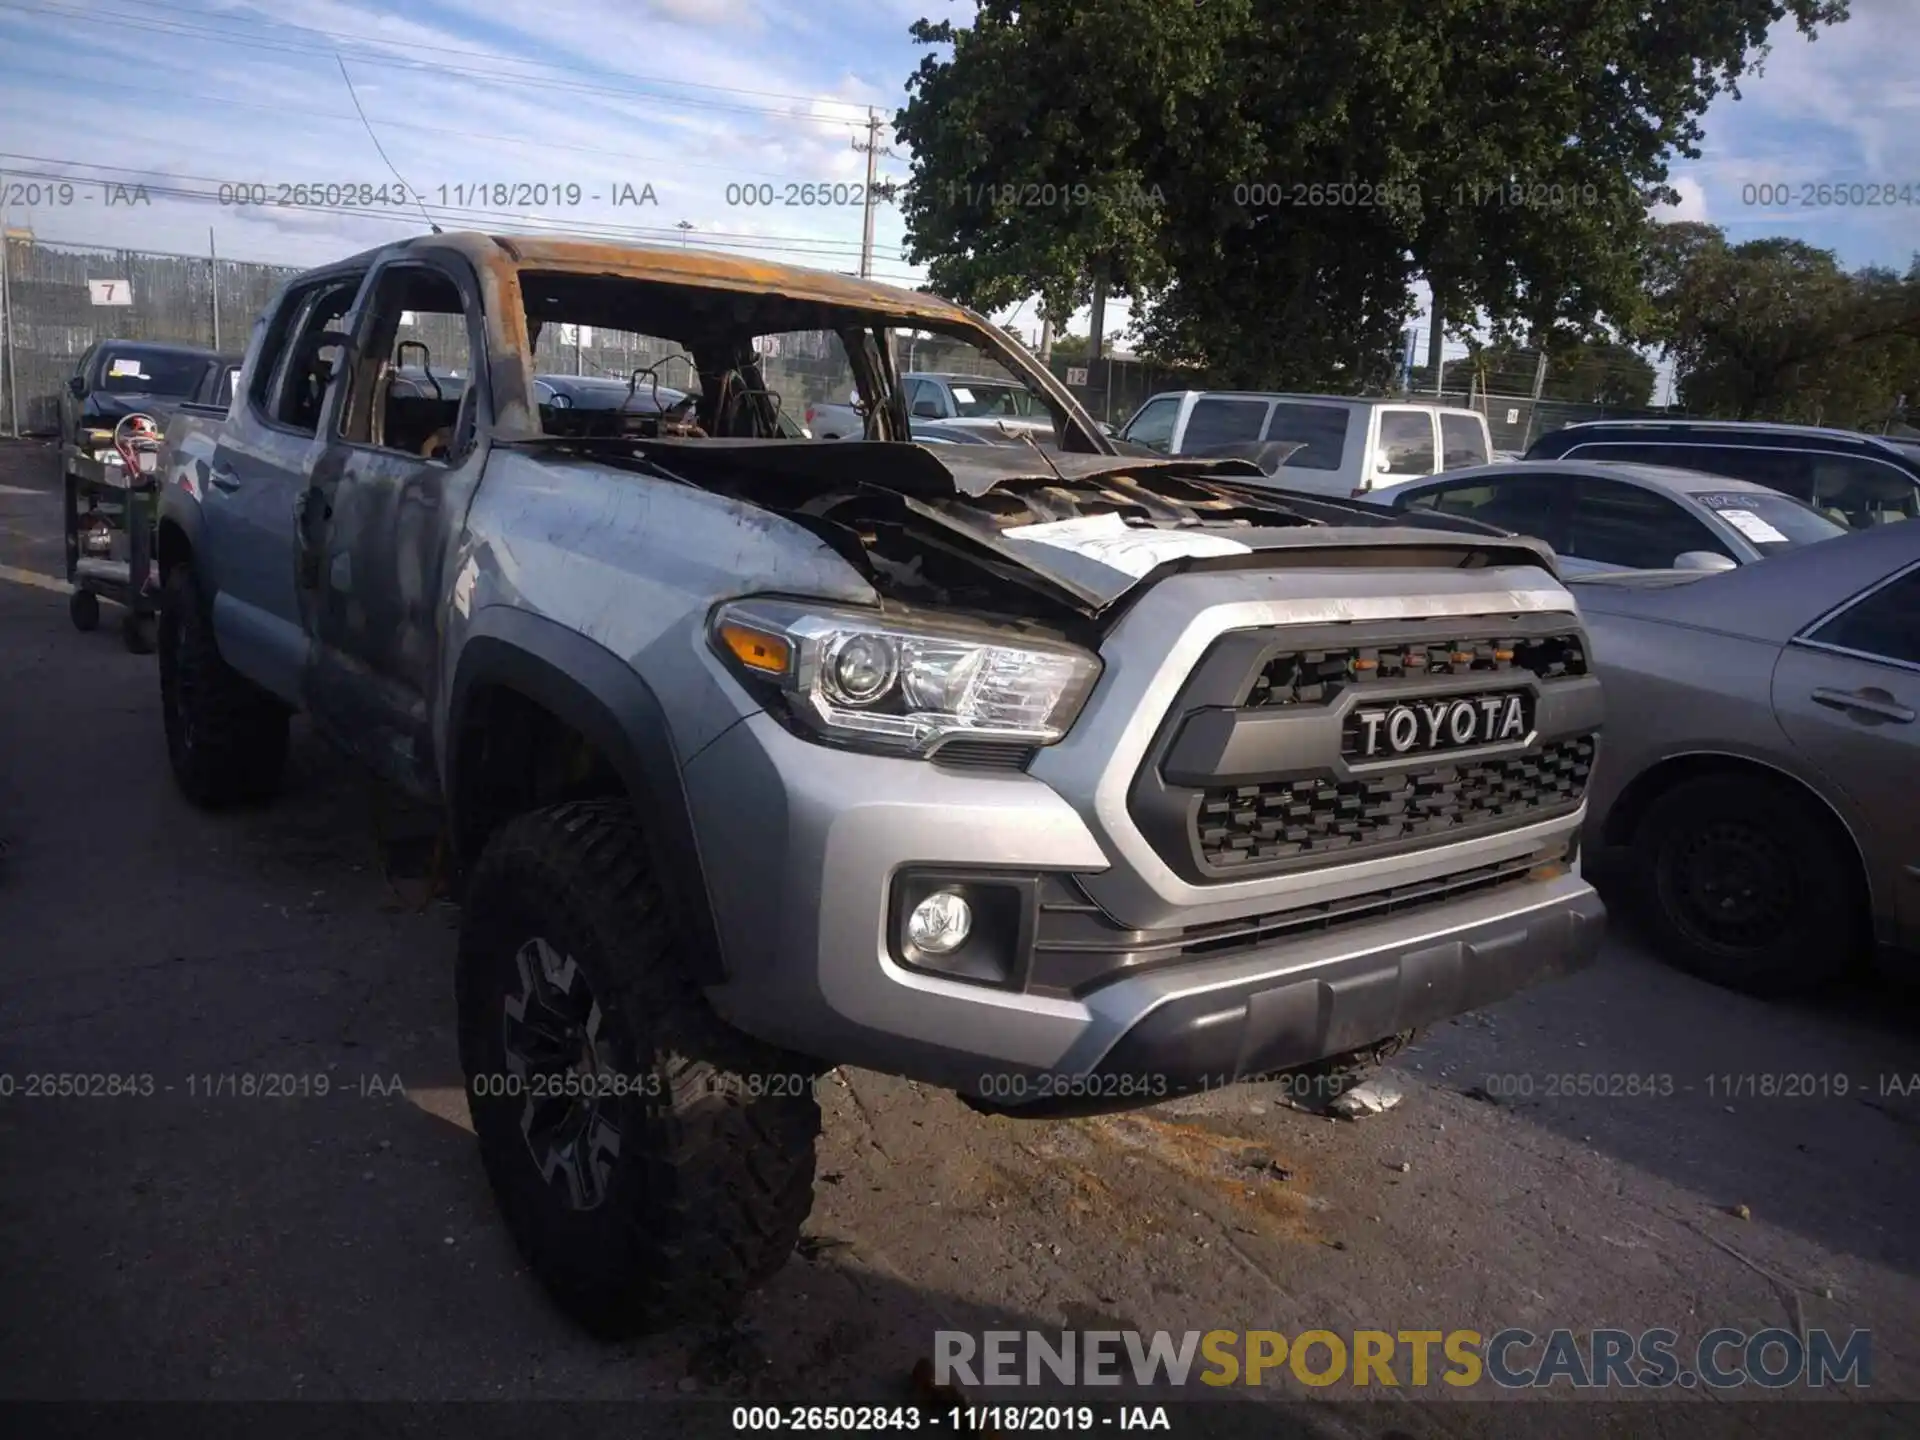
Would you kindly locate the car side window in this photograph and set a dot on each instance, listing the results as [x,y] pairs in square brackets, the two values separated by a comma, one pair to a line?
[1220,421]
[296,364]
[1406,442]
[1462,442]
[417,389]
[922,400]
[1320,429]
[1885,623]
[1524,504]
[1861,493]
[1618,524]
[1153,426]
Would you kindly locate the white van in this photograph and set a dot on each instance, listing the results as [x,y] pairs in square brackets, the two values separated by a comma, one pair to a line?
[1347,444]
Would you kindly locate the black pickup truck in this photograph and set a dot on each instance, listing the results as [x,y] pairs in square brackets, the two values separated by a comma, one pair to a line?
[125,377]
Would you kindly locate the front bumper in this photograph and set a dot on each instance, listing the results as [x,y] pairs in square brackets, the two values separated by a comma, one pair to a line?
[803,843]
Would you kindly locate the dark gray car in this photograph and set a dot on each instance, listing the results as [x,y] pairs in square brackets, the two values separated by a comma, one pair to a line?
[1609,515]
[1760,779]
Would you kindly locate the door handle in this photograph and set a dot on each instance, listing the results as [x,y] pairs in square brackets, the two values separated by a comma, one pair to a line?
[1865,702]
[224,478]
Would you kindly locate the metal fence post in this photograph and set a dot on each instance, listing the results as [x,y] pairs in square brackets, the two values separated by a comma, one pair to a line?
[6,326]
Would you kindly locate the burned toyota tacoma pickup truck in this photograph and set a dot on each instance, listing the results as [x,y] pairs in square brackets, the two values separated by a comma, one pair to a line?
[1064,778]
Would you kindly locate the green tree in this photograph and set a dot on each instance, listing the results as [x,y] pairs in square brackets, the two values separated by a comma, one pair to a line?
[1776,329]
[1265,179]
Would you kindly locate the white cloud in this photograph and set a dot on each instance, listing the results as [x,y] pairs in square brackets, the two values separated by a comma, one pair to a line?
[1692,204]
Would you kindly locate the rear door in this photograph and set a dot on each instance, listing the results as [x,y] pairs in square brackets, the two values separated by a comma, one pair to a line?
[260,467]
[1847,691]
[389,496]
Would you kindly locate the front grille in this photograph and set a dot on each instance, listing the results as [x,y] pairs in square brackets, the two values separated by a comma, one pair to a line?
[1315,677]
[1247,824]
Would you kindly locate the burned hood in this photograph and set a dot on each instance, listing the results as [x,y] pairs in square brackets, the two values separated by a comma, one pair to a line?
[1090,529]
[921,470]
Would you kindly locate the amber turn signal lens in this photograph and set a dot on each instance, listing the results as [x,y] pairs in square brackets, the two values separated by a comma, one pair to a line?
[756,649]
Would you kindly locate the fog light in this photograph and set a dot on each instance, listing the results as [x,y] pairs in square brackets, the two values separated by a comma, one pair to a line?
[940,923]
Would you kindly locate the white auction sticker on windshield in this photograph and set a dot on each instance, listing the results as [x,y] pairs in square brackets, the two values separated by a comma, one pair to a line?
[125,367]
[1752,526]
[963,395]
[1132,549]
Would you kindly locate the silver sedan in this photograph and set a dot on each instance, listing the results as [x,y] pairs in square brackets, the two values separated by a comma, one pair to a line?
[1758,785]
[1611,515]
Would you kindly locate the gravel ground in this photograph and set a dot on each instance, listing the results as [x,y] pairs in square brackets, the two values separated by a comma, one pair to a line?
[187,1246]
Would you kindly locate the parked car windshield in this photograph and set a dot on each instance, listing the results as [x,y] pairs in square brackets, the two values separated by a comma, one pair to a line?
[137,371]
[1771,522]
[978,399]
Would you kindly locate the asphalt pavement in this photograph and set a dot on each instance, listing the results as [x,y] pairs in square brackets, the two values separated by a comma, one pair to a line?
[274,1194]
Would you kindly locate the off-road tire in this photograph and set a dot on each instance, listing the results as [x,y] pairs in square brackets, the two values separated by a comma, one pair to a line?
[714,1171]
[1807,922]
[226,737]
[138,633]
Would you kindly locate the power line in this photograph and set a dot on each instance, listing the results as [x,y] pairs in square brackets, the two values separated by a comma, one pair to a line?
[825,246]
[799,246]
[169,27]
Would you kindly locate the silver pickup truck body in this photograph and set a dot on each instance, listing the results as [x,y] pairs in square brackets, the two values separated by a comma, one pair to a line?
[1323,783]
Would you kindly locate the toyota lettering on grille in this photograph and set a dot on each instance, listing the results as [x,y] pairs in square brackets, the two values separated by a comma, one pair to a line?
[1420,727]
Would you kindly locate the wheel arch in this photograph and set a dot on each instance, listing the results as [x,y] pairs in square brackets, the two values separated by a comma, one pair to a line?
[173,544]
[580,685]
[1630,807]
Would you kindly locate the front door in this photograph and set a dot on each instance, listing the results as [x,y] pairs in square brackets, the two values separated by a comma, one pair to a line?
[404,453]
[1848,696]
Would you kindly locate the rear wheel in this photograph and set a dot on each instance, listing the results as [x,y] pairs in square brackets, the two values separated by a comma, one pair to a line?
[226,737]
[137,632]
[1746,883]
[652,1163]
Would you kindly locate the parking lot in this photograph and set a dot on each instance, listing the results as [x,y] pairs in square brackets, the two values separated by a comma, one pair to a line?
[336,1240]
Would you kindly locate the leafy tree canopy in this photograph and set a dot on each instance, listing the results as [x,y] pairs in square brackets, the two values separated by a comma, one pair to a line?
[1776,329]
[1506,150]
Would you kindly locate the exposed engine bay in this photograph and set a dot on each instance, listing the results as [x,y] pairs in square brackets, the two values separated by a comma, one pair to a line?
[975,529]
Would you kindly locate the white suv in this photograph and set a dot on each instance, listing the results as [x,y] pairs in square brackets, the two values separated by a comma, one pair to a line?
[1347,445]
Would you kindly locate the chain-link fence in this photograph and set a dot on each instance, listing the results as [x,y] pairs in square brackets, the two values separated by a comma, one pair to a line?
[59,299]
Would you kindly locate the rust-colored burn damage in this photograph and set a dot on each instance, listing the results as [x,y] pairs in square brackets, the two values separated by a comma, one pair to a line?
[675,266]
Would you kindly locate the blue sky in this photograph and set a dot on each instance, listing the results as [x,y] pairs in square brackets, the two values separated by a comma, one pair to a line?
[695,99]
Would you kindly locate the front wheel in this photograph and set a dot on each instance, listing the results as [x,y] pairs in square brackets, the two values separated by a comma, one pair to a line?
[1745,883]
[652,1163]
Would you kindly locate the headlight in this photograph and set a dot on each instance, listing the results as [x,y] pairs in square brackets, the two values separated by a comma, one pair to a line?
[906,684]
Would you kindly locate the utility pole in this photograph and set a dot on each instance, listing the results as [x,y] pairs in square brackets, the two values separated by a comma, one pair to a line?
[1540,373]
[873,149]
[685,227]
[1436,337]
[213,285]
[1046,339]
